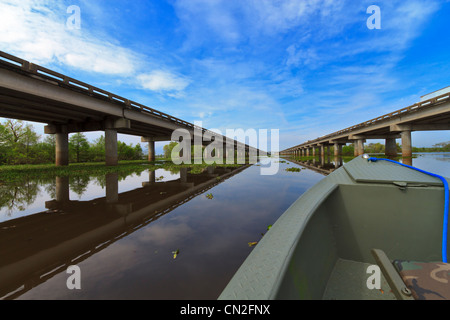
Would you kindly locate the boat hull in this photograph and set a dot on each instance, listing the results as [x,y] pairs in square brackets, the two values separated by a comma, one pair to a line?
[320,248]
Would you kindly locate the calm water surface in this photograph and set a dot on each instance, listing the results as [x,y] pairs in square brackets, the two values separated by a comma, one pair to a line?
[123,231]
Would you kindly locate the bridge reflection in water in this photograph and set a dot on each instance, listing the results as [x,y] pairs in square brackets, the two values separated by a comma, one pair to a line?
[323,165]
[326,165]
[35,248]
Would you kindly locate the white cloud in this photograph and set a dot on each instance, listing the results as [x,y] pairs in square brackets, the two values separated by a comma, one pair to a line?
[234,21]
[159,80]
[36,30]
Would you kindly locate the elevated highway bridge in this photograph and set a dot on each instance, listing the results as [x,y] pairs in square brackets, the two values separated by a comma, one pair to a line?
[34,93]
[431,113]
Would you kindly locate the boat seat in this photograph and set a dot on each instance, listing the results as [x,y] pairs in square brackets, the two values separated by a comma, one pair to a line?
[415,279]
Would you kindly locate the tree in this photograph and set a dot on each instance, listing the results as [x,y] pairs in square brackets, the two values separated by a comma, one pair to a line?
[97,150]
[79,147]
[46,149]
[138,153]
[168,149]
[20,140]
[5,139]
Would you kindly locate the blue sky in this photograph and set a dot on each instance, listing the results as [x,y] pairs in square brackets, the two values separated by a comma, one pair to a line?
[305,67]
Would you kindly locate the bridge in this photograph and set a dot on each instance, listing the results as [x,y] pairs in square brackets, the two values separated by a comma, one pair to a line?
[34,93]
[431,113]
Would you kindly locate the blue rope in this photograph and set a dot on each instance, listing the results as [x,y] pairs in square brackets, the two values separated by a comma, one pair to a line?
[446,192]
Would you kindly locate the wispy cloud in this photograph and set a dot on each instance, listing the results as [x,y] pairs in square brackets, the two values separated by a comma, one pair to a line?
[36,30]
[159,80]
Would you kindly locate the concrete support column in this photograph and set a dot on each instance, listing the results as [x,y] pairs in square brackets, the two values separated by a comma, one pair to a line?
[355,148]
[151,151]
[322,151]
[390,147]
[62,149]
[406,144]
[307,152]
[337,149]
[358,147]
[314,151]
[111,155]
[361,147]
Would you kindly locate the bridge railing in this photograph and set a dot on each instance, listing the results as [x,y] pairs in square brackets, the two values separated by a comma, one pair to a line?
[63,80]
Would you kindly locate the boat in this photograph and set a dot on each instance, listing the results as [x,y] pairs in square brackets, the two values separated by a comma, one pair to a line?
[370,230]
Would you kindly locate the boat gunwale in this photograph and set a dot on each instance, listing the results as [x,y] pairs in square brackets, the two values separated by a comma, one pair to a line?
[262,272]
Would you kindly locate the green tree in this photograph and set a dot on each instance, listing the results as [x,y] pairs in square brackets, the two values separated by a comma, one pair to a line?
[78,148]
[97,149]
[168,149]
[138,152]
[46,149]
[20,141]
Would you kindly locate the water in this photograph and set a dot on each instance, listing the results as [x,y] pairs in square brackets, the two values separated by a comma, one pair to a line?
[122,232]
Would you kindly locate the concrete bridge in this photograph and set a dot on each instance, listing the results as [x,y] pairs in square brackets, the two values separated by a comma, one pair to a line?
[431,113]
[33,93]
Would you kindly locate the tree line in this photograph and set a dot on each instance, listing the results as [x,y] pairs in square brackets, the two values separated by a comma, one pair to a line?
[20,144]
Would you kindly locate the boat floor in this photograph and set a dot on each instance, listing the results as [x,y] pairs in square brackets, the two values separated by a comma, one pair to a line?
[348,281]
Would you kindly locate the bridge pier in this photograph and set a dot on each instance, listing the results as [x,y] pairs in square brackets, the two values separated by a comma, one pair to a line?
[390,148]
[62,148]
[111,155]
[359,147]
[406,143]
[151,151]
[337,149]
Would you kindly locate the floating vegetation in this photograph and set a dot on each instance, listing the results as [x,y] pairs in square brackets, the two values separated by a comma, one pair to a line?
[252,244]
[17,173]
[209,196]
[293,169]
[175,253]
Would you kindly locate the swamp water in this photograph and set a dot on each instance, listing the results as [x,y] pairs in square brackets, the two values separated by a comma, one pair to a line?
[149,234]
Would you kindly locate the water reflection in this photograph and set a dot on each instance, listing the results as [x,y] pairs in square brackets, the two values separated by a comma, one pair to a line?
[323,165]
[36,247]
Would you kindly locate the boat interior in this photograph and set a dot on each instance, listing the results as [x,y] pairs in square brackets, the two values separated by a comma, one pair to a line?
[331,259]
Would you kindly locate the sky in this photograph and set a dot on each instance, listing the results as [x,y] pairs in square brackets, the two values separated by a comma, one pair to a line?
[305,67]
